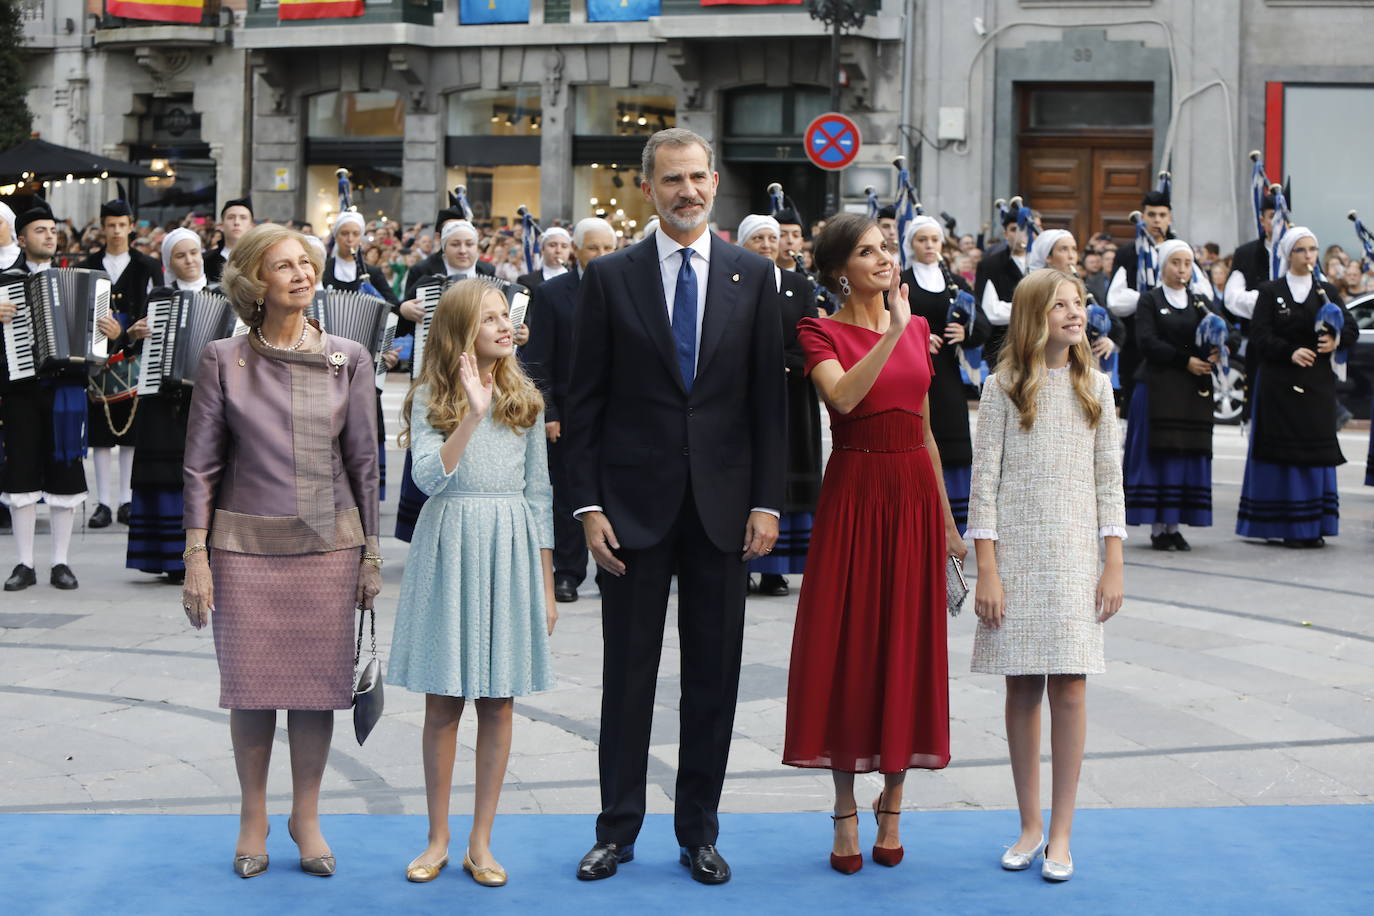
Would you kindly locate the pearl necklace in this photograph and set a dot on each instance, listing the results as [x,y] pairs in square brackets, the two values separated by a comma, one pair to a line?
[305,328]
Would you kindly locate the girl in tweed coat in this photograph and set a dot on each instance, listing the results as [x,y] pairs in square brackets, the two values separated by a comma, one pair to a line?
[1046,488]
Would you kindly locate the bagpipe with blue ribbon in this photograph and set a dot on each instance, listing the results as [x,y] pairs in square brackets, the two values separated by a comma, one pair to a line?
[458,200]
[1211,334]
[907,205]
[1025,220]
[963,310]
[346,204]
[530,231]
[1366,241]
[1099,326]
[345,190]
[873,207]
[777,203]
[1331,322]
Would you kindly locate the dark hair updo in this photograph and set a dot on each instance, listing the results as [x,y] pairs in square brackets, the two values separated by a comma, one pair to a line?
[835,243]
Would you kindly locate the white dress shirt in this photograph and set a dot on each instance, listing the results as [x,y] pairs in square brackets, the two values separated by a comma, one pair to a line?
[669,263]
[37,268]
[115,265]
[997,311]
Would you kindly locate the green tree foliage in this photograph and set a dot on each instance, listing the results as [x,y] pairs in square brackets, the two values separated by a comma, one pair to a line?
[16,121]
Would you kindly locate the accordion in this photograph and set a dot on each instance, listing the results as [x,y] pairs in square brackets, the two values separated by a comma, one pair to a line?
[179,328]
[361,318]
[517,299]
[54,331]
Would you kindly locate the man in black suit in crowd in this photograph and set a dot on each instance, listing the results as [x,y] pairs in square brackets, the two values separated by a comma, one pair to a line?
[555,248]
[548,360]
[676,434]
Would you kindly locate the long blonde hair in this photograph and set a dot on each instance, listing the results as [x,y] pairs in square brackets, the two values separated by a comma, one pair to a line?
[1021,363]
[453,331]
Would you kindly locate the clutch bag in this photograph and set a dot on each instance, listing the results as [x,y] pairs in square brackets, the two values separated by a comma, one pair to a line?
[956,587]
[367,691]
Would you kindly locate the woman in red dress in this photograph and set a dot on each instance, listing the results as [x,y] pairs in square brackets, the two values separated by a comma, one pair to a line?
[869,684]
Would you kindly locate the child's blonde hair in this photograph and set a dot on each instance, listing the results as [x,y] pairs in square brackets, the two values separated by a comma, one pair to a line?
[1021,363]
[516,402]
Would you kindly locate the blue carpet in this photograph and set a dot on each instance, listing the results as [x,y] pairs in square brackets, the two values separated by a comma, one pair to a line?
[1214,860]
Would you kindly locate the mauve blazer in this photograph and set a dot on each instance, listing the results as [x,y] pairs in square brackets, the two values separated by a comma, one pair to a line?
[281,447]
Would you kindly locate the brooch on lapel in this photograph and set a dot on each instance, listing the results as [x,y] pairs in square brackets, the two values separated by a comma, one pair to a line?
[242,362]
[787,293]
[735,278]
[337,359]
[1164,311]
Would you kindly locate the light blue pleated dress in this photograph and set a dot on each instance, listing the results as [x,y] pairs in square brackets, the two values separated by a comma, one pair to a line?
[471,617]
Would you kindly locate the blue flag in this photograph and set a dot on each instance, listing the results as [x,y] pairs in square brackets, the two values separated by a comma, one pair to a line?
[622,10]
[483,12]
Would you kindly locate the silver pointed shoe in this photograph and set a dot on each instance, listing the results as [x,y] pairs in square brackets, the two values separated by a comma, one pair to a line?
[1056,871]
[248,866]
[1020,861]
[320,866]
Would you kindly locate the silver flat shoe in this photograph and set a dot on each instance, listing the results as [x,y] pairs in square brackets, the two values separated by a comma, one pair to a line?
[1056,871]
[248,866]
[1020,861]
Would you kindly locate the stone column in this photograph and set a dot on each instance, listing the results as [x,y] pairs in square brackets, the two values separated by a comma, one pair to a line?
[555,142]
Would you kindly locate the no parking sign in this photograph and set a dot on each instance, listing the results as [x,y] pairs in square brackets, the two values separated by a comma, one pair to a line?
[831,141]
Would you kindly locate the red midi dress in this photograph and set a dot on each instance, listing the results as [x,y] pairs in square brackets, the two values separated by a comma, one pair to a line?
[868,687]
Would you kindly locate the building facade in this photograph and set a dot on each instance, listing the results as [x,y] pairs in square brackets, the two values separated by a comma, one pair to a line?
[1075,105]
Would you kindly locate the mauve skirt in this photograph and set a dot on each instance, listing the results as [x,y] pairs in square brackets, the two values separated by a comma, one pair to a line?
[284,629]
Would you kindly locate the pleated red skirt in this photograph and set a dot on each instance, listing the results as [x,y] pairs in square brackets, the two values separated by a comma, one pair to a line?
[868,687]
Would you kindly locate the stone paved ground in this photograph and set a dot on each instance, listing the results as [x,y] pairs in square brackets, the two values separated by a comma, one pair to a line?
[1216,692]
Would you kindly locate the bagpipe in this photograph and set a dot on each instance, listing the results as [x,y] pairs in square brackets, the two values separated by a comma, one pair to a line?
[1260,188]
[1366,241]
[530,231]
[1331,322]
[1100,325]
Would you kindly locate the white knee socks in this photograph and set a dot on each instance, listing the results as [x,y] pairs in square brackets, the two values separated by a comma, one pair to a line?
[104,491]
[61,520]
[25,521]
[126,474]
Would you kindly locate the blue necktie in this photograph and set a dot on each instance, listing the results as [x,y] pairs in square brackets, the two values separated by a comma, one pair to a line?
[685,320]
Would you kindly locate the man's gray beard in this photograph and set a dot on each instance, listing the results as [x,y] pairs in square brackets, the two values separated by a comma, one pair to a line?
[683,225]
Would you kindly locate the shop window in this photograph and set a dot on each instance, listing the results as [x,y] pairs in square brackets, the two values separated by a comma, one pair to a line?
[356,114]
[376,193]
[496,193]
[609,111]
[611,191]
[513,112]
[1111,106]
[773,112]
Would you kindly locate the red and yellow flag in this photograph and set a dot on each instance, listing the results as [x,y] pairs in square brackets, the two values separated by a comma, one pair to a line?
[319,9]
[157,10]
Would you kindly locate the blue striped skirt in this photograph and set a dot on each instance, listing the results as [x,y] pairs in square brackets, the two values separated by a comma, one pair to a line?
[156,538]
[1163,488]
[957,483]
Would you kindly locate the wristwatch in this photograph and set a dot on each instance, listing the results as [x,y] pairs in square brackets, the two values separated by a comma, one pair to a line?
[374,558]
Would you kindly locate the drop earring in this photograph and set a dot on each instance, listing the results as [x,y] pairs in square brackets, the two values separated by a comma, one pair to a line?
[845,288]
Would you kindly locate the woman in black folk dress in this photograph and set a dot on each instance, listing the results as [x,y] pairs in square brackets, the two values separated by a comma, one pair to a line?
[1289,493]
[932,291]
[156,538]
[1169,440]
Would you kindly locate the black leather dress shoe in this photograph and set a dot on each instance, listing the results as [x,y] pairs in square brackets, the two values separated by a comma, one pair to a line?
[101,517]
[602,860]
[1162,542]
[708,866]
[20,578]
[122,515]
[773,586]
[1179,542]
[62,577]
[564,591]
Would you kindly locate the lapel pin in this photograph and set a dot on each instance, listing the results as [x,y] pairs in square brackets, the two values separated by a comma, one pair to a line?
[735,278]
[242,361]
[337,359]
[788,293]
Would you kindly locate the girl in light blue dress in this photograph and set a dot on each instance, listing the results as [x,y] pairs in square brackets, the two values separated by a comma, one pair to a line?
[476,607]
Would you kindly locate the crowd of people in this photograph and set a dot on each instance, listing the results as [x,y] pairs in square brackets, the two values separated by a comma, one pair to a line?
[659,412]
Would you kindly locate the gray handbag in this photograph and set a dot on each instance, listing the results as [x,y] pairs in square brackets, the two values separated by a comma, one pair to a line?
[367,690]
[956,587]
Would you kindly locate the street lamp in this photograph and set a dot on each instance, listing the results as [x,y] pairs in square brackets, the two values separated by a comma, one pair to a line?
[839,16]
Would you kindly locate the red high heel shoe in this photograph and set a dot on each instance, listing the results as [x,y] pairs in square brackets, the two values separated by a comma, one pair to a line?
[846,865]
[882,854]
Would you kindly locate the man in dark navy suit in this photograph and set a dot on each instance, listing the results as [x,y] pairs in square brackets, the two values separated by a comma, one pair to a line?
[676,431]
[548,360]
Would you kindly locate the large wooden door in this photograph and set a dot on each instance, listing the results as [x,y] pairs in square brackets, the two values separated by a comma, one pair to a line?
[1084,154]
[1088,185]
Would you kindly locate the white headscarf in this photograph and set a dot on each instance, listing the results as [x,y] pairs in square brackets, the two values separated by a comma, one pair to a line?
[556,232]
[1289,242]
[753,223]
[455,226]
[1044,244]
[170,241]
[1167,250]
[350,216]
[8,253]
[917,224]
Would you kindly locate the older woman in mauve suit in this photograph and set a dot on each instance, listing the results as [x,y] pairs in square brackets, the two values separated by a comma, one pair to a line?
[281,527]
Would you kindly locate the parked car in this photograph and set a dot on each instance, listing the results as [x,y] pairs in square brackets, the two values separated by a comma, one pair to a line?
[1357,391]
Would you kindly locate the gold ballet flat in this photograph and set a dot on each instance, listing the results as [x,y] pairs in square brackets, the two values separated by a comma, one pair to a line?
[487,877]
[248,866]
[424,872]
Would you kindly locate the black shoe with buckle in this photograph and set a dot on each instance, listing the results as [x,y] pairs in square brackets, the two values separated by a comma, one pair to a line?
[101,517]
[62,577]
[602,860]
[21,577]
[708,866]
[122,514]
[564,591]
